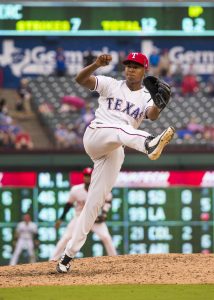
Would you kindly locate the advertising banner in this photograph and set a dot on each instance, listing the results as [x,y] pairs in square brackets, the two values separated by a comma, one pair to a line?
[33,56]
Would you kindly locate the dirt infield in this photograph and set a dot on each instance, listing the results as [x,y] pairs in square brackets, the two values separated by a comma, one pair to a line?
[124,269]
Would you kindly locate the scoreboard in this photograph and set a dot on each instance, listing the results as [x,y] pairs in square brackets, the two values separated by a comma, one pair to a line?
[152,212]
[111,19]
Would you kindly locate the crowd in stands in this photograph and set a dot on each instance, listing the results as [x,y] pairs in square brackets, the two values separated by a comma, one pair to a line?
[12,135]
[182,77]
[185,84]
[72,112]
[70,136]
[194,129]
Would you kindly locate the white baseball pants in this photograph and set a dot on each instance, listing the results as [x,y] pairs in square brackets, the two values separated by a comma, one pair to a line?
[23,244]
[104,144]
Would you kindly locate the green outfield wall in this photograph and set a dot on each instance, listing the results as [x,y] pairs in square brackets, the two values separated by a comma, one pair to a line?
[67,160]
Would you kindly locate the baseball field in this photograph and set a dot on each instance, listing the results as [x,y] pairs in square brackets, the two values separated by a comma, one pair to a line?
[148,276]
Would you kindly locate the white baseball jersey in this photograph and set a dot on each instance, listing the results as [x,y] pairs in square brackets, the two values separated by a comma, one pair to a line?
[78,195]
[118,104]
[26,230]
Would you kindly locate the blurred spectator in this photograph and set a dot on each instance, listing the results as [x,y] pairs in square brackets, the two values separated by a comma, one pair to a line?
[209,133]
[14,128]
[210,85]
[164,63]
[60,62]
[60,135]
[121,57]
[192,129]
[5,119]
[3,106]
[167,78]
[7,140]
[66,108]
[154,60]
[88,58]
[23,141]
[87,115]
[189,84]
[73,140]
[23,102]
[67,136]
[184,134]
[46,109]
[195,127]
[178,75]
[11,134]
[8,128]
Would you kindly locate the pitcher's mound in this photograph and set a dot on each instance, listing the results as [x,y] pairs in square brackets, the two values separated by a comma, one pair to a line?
[123,269]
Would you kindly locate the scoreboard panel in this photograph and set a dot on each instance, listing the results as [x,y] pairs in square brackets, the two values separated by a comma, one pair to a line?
[136,19]
[152,212]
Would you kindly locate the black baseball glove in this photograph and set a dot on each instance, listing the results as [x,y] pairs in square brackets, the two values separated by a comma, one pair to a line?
[159,90]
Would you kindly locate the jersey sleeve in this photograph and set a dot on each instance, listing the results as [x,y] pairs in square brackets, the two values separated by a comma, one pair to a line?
[149,104]
[104,85]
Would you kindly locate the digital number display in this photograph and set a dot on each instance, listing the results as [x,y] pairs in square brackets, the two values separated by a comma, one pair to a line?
[111,19]
[152,212]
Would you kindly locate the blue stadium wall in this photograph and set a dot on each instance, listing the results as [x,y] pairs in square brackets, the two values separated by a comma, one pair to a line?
[32,56]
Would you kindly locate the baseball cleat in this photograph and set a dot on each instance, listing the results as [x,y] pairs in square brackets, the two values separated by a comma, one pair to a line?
[63,265]
[62,268]
[155,146]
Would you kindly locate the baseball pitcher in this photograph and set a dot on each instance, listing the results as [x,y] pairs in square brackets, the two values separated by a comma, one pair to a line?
[123,105]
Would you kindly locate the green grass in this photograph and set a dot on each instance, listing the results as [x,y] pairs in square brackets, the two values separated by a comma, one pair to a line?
[111,292]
